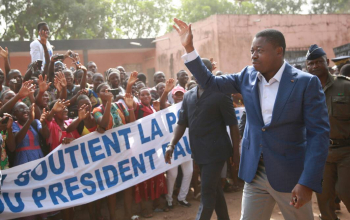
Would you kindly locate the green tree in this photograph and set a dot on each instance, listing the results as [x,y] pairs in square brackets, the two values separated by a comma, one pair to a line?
[278,6]
[194,10]
[330,6]
[142,18]
[68,19]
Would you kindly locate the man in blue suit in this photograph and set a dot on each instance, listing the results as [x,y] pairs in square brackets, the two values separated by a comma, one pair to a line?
[285,142]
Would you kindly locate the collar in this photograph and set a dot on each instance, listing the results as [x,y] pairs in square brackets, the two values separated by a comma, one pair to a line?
[277,77]
[329,82]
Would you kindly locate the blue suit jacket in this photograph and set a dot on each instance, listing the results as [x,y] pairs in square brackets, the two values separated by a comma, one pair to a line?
[295,143]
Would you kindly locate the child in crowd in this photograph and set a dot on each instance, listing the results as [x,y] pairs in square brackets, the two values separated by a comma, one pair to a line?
[23,138]
[57,121]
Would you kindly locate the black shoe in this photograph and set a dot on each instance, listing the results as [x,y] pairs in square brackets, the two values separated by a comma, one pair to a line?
[169,205]
[184,203]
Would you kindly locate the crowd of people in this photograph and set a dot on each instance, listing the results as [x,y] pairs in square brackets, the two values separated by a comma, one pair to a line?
[52,104]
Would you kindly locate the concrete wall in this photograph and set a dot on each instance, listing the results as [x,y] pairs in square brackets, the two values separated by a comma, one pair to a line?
[140,60]
[227,38]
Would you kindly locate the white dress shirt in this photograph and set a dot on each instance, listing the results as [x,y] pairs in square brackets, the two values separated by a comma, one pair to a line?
[267,90]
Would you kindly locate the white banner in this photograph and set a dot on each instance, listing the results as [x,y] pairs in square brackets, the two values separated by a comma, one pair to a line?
[239,113]
[93,167]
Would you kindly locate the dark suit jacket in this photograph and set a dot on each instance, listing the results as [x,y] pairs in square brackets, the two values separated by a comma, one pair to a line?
[206,119]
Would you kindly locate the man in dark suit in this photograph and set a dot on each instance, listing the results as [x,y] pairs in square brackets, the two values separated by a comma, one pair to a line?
[207,114]
[285,141]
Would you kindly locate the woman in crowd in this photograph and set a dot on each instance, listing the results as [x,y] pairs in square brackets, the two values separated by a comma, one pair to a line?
[84,124]
[6,130]
[156,186]
[113,79]
[110,115]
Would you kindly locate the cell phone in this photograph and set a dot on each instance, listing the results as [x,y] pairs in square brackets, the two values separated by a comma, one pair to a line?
[60,57]
[39,63]
[4,121]
[114,91]
[72,54]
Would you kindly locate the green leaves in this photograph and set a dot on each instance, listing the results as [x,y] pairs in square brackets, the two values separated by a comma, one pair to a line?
[92,19]
[330,6]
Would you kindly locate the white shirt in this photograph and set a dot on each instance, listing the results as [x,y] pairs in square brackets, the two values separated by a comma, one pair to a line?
[267,90]
[37,51]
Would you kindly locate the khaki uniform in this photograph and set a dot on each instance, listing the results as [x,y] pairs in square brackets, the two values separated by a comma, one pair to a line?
[336,178]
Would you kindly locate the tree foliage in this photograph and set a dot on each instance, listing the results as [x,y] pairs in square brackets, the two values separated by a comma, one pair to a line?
[330,6]
[142,18]
[83,19]
[92,19]
[194,10]
[68,19]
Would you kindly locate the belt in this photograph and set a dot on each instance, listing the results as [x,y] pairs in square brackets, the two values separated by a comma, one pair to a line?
[339,141]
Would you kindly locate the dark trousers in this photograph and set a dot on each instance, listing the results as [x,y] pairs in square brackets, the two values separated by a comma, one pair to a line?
[336,180]
[212,194]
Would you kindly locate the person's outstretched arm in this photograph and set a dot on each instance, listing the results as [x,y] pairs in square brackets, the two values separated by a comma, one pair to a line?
[169,85]
[227,84]
[131,81]
[5,54]
[26,90]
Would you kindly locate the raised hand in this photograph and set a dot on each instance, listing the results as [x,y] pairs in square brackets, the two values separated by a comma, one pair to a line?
[169,85]
[82,67]
[68,53]
[83,112]
[60,79]
[129,101]
[60,105]
[10,121]
[185,33]
[156,105]
[4,53]
[76,58]
[43,116]
[43,85]
[43,37]
[32,112]
[26,89]
[133,78]
[54,57]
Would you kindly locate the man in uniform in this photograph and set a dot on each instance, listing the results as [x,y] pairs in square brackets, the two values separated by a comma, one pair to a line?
[337,90]
[340,62]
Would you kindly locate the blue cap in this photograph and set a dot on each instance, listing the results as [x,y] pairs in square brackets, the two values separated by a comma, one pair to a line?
[315,52]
